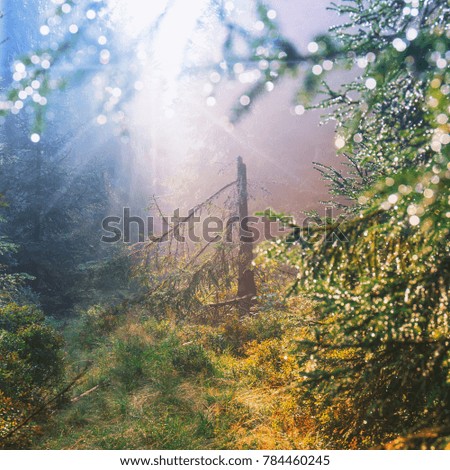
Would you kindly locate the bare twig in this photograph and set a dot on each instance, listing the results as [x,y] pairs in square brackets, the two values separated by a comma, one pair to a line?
[191,214]
[85,394]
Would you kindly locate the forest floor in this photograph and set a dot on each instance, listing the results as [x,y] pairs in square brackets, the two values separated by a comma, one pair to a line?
[167,384]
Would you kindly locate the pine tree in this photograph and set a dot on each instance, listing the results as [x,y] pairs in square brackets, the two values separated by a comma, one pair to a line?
[10,281]
[52,215]
[377,357]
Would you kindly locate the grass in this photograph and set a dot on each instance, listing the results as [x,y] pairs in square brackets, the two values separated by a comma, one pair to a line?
[180,385]
[221,383]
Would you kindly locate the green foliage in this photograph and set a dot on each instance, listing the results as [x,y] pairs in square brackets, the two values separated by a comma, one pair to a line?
[53,218]
[30,368]
[376,359]
[192,359]
[10,283]
[373,355]
[95,323]
[391,310]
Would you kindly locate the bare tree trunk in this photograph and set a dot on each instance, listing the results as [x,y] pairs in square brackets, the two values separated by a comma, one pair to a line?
[246,280]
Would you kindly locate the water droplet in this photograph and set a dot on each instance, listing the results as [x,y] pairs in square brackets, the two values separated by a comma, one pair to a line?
[44,30]
[371,83]
[313,47]
[244,100]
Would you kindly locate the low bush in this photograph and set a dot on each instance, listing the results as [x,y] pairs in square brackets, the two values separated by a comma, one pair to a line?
[31,367]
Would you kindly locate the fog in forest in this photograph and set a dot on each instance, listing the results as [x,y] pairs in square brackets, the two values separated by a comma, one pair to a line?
[175,143]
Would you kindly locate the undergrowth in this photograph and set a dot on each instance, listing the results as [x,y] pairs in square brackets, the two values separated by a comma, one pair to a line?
[191,384]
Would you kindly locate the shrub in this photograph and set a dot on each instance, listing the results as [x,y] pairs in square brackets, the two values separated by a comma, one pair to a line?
[192,359]
[96,323]
[270,362]
[30,367]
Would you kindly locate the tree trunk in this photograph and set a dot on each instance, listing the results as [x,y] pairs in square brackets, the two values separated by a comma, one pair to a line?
[246,279]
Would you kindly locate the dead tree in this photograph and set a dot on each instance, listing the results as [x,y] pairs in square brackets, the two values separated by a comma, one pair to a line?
[246,278]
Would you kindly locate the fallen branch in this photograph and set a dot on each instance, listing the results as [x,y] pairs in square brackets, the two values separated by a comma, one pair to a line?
[192,213]
[85,394]
[231,302]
